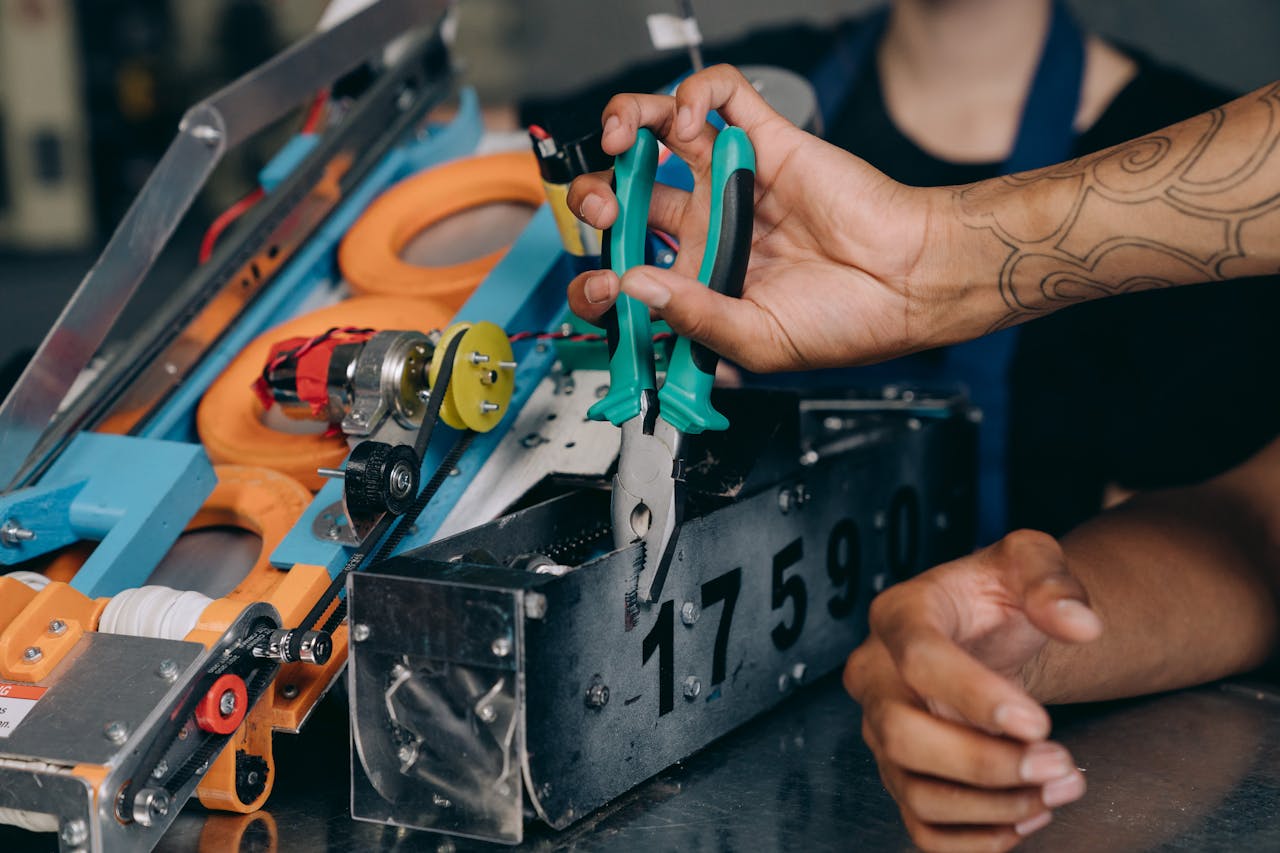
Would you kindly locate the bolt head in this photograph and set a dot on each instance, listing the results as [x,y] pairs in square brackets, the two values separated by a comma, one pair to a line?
[74,833]
[57,627]
[501,647]
[785,500]
[689,613]
[227,703]
[798,671]
[691,687]
[116,732]
[289,691]
[487,713]
[784,682]
[597,696]
[407,754]
[168,670]
[31,654]
[535,605]
[360,632]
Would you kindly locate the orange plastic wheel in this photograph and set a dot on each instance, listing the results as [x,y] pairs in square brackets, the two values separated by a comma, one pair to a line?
[229,418]
[370,252]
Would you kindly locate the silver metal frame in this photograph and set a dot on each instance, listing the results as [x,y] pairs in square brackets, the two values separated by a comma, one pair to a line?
[206,133]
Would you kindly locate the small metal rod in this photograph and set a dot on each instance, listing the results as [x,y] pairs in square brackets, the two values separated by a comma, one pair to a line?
[695,49]
[332,473]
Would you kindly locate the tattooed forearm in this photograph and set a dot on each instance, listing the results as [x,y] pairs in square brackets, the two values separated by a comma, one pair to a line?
[1199,201]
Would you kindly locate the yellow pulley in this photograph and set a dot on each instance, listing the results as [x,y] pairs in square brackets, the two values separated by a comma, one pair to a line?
[483,378]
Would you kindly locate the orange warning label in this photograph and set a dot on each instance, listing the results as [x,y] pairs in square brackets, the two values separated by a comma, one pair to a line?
[16,701]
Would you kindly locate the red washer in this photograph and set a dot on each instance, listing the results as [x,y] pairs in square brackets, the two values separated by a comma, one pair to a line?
[209,713]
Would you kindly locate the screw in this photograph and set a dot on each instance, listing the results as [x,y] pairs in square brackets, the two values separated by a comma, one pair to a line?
[289,691]
[455,471]
[833,423]
[784,682]
[802,496]
[168,670]
[407,754]
[809,457]
[913,424]
[401,480]
[32,654]
[785,500]
[441,802]
[332,473]
[501,647]
[486,713]
[689,613]
[691,687]
[161,769]
[508,365]
[597,695]
[797,672]
[57,627]
[424,395]
[14,534]
[479,358]
[486,407]
[227,703]
[360,632]
[150,805]
[488,377]
[74,833]
[535,605]
[116,732]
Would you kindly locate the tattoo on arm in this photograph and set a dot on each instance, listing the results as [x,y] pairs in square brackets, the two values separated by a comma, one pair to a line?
[1170,208]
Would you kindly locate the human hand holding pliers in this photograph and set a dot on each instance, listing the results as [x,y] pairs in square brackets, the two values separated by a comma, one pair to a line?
[648,489]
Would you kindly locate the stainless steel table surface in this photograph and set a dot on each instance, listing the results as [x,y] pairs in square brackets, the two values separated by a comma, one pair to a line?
[1194,770]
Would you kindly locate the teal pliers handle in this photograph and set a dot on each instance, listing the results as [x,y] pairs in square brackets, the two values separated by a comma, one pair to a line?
[627,323]
[685,398]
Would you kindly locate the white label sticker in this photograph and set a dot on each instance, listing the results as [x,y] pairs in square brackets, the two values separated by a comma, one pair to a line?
[16,701]
[670,31]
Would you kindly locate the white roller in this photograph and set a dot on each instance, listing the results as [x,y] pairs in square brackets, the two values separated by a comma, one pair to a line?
[158,612]
[35,580]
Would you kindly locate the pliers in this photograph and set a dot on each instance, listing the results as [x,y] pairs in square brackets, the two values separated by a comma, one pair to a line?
[648,488]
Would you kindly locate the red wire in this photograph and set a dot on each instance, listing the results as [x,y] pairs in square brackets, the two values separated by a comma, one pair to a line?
[224,220]
[315,112]
[666,238]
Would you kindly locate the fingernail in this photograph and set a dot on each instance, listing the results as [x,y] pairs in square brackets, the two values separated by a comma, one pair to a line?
[639,285]
[598,288]
[1044,762]
[1079,615]
[1031,824]
[590,209]
[684,121]
[1021,722]
[1059,792]
[610,124]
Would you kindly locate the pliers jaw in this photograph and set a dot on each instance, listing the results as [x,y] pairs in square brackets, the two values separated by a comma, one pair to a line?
[648,494]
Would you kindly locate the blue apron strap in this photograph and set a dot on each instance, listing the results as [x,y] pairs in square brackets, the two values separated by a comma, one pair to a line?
[1046,135]
[836,76]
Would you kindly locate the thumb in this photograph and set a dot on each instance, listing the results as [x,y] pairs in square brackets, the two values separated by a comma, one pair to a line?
[734,328]
[1053,598]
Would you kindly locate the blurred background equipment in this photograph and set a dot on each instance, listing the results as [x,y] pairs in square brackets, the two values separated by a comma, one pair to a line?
[44,169]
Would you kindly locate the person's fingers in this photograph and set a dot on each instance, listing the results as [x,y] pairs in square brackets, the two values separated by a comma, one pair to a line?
[916,740]
[735,328]
[916,627]
[937,801]
[721,88]
[625,114]
[592,199]
[947,839]
[592,294]
[1054,600]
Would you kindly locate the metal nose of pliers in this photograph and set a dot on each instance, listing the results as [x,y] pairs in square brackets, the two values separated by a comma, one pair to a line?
[648,497]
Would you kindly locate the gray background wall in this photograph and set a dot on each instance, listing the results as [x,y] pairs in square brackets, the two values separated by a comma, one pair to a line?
[516,46]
